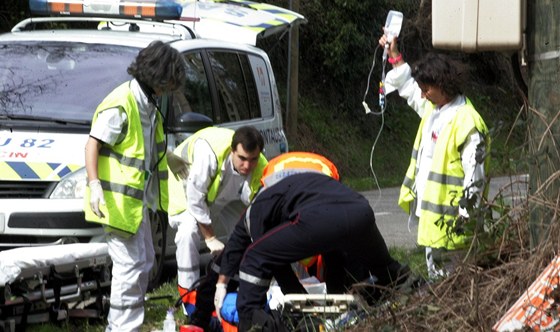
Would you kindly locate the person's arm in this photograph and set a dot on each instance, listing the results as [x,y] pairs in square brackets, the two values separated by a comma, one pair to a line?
[230,262]
[93,146]
[96,197]
[177,165]
[234,250]
[394,53]
[108,128]
[201,174]
[473,169]
[400,78]
[223,279]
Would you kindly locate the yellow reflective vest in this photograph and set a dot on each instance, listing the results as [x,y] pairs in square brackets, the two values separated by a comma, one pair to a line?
[219,140]
[121,168]
[444,188]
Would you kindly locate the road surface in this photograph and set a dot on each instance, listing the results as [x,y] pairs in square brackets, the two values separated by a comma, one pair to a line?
[392,221]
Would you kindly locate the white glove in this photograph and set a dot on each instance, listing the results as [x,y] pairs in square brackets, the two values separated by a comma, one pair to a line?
[177,165]
[216,246]
[219,296]
[96,197]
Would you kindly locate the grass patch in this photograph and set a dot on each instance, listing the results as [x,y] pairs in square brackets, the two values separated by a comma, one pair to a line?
[352,139]
[415,259]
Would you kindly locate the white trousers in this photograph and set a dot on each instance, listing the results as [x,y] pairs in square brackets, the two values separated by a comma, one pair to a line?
[133,259]
[187,240]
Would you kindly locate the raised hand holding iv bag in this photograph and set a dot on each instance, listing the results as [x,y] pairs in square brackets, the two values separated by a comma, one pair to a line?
[392,28]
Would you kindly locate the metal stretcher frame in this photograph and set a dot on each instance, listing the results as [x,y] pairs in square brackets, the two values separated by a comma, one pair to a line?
[322,312]
[53,283]
[321,303]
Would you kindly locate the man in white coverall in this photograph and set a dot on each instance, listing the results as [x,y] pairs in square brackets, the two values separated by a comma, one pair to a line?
[127,172]
[448,157]
[222,170]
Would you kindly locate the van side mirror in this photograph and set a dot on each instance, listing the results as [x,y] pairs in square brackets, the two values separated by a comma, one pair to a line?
[190,122]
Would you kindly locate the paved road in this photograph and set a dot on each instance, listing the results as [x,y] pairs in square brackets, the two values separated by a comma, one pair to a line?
[392,221]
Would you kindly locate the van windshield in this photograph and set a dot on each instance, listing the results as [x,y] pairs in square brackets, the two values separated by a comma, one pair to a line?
[59,80]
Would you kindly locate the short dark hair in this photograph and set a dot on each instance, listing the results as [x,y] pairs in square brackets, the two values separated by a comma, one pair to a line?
[159,66]
[249,138]
[438,70]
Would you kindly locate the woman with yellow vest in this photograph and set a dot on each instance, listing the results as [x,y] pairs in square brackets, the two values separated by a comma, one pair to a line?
[127,175]
[223,174]
[448,157]
[302,211]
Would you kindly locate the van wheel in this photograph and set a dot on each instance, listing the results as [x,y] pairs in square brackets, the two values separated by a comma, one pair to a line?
[159,228]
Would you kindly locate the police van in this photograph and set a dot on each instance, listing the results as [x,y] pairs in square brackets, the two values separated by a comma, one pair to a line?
[57,67]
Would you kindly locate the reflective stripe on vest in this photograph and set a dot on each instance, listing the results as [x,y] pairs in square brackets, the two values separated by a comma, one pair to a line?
[121,168]
[219,140]
[294,163]
[444,187]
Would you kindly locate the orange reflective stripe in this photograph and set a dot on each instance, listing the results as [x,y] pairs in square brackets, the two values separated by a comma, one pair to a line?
[298,162]
[186,295]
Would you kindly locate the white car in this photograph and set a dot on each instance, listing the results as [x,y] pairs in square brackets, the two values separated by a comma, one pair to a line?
[54,74]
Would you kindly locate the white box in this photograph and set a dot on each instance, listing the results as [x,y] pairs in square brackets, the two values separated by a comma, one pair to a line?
[478,25]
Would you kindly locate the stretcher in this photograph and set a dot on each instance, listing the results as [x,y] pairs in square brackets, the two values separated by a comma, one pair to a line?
[53,283]
[322,312]
[316,310]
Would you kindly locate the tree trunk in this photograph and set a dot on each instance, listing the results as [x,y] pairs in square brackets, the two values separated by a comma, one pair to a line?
[292,106]
[543,46]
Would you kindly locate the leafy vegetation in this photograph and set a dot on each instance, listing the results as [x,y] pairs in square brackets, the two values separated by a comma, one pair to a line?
[337,48]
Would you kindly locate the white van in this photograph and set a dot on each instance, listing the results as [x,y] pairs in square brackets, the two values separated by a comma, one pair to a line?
[52,80]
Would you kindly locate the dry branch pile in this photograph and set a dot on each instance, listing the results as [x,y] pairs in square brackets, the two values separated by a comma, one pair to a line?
[479,292]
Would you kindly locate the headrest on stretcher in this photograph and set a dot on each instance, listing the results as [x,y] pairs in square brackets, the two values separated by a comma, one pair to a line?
[15,262]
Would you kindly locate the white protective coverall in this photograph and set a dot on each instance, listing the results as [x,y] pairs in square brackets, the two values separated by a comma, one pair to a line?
[399,78]
[132,257]
[233,196]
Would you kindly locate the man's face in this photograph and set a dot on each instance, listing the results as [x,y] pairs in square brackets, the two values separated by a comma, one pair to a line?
[244,161]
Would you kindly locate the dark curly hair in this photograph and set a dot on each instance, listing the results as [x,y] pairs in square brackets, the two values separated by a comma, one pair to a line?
[438,70]
[159,66]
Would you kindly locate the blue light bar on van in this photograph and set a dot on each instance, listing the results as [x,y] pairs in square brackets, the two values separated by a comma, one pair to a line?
[154,9]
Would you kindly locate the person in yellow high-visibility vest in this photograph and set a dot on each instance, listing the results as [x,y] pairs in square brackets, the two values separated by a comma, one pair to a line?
[448,161]
[222,173]
[127,176]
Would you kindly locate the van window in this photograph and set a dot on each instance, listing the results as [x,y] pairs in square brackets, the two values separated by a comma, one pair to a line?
[261,75]
[235,85]
[195,94]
